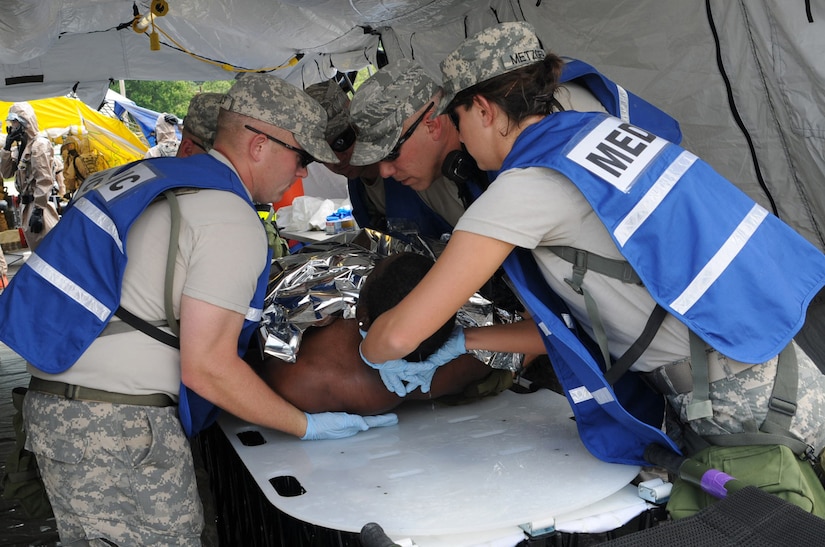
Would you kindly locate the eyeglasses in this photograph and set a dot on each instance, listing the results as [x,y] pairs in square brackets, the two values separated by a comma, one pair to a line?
[396,150]
[344,140]
[304,156]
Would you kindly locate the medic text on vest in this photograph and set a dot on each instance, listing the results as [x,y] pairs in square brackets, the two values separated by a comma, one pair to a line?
[113,183]
[617,152]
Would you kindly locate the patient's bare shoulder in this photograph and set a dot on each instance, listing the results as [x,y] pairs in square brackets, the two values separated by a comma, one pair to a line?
[328,374]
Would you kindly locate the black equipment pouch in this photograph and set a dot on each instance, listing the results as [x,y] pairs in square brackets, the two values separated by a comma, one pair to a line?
[21,480]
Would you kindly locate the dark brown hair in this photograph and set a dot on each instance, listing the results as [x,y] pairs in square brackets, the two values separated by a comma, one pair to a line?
[390,281]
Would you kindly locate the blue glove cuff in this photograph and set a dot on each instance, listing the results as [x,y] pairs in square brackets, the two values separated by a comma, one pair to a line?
[367,361]
[309,435]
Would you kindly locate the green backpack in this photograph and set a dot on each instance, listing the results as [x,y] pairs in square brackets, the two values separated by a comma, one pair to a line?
[771,468]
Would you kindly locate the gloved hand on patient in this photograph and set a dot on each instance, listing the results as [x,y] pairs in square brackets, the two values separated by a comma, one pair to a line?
[337,425]
[402,377]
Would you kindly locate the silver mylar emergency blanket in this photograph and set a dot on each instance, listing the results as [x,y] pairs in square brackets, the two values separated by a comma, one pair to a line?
[323,281]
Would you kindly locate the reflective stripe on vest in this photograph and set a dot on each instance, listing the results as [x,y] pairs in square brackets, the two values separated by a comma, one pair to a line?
[616,423]
[77,270]
[734,274]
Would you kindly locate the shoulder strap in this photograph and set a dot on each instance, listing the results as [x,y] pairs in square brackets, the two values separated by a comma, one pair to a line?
[583,261]
[623,363]
[781,410]
[700,405]
[145,326]
[171,256]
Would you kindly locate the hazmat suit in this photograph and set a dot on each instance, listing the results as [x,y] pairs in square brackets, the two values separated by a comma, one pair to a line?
[29,158]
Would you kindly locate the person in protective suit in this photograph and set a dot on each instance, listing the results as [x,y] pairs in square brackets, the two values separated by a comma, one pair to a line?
[166,137]
[31,163]
[4,205]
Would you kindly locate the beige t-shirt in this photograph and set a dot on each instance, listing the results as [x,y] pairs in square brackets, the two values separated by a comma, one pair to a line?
[221,254]
[537,207]
[442,197]
[573,96]
[376,194]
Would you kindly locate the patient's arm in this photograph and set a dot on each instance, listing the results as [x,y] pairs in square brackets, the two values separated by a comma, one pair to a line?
[329,375]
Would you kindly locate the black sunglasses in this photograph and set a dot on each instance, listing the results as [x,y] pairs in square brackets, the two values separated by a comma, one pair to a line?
[305,157]
[396,150]
[344,140]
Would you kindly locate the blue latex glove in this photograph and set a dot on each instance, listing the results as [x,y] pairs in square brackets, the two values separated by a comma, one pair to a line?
[403,377]
[337,425]
[391,372]
[421,374]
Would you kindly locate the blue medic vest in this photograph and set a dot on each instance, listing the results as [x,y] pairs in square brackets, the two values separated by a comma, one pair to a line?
[616,423]
[402,202]
[621,103]
[733,273]
[77,271]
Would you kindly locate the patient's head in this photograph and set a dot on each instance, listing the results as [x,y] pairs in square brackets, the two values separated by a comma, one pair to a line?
[390,281]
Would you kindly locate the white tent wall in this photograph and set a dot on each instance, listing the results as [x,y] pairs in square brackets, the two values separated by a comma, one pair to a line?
[774,56]
[662,50]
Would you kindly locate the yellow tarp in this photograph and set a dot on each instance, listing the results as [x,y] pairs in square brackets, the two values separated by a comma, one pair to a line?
[61,116]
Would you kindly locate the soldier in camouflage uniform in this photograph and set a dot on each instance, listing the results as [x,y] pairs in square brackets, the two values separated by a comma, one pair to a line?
[197,136]
[498,88]
[200,124]
[393,114]
[107,433]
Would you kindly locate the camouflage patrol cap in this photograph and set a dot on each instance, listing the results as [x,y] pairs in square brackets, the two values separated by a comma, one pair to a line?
[492,52]
[202,116]
[382,104]
[272,100]
[335,102]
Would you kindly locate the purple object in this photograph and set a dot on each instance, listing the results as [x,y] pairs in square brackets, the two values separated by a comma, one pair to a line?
[713,482]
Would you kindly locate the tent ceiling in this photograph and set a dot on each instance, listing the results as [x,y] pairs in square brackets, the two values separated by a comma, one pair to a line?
[67,41]
[744,79]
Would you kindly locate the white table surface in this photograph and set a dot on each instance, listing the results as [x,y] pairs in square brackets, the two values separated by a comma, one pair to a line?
[442,471]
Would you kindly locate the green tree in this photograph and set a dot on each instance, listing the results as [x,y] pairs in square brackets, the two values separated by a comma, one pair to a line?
[171,97]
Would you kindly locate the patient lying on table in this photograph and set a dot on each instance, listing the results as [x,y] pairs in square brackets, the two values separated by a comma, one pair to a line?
[329,375]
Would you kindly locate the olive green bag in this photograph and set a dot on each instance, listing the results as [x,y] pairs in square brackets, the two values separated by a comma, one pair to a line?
[772,468]
[22,480]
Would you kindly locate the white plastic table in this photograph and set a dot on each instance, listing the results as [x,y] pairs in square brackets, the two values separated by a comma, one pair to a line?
[484,468]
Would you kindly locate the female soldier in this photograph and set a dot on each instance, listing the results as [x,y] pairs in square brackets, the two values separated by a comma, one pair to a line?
[587,188]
